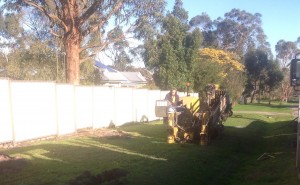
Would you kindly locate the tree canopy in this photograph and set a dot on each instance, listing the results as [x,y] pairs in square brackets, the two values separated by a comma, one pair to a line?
[170,54]
[286,51]
[239,31]
[217,66]
[89,25]
[263,73]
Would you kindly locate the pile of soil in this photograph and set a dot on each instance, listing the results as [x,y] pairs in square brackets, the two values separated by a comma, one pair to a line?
[111,177]
[10,164]
[109,133]
[4,157]
[103,133]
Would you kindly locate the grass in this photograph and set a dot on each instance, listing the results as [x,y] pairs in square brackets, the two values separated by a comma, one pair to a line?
[148,159]
[265,107]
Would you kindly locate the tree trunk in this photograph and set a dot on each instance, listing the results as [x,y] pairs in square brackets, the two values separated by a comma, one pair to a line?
[252,97]
[72,46]
[259,96]
[269,97]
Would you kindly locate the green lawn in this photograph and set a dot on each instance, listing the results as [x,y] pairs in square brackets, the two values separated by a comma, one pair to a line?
[265,107]
[147,159]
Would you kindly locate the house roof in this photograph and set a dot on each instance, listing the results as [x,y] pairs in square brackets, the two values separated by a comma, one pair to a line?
[114,76]
[111,75]
[134,77]
[102,66]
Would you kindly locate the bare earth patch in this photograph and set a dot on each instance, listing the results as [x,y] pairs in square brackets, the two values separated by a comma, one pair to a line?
[104,133]
[11,164]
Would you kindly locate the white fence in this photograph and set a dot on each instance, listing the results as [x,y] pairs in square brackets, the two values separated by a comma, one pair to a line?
[31,110]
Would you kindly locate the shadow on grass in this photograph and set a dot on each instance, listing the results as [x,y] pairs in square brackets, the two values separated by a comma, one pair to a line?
[230,159]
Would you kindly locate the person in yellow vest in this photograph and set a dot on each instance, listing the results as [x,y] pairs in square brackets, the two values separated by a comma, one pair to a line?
[173,97]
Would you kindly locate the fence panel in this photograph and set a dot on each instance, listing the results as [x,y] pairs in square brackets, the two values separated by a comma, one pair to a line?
[153,96]
[103,102]
[6,134]
[140,105]
[65,108]
[33,106]
[41,109]
[123,106]
[84,106]
[163,94]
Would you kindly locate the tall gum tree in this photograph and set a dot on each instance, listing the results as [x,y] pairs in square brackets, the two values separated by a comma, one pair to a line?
[89,25]
[171,53]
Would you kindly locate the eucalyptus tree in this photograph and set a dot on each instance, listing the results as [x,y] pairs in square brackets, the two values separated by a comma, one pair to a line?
[89,25]
[171,53]
[263,74]
[275,76]
[239,31]
[218,67]
[26,57]
[285,51]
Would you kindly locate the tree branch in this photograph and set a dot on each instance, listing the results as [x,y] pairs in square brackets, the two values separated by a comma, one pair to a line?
[95,27]
[71,4]
[102,46]
[55,34]
[90,11]
[86,58]
[51,17]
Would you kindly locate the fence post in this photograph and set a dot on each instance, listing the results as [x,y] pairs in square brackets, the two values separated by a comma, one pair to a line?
[56,110]
[298,141]
[75,108]
[11,113]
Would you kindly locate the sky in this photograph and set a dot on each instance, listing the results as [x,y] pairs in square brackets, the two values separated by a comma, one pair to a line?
[280,18]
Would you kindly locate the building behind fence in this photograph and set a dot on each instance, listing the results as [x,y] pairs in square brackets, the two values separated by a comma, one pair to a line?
[31,110]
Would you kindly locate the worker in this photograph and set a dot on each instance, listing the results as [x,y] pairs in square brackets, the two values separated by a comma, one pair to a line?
[173,97]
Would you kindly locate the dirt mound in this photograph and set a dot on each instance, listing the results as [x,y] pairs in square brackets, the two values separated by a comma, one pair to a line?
[112,177]
[103,133]
[4,157]
[111,133]
[11,164]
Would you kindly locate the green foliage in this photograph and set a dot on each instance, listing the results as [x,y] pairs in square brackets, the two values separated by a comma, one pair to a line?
[239,31]
[263,74]
[34,63]
[205,73]
[89,74]
[171,54]
[234,84]
[286,51]
[218,67]
[84,27]
[274,75]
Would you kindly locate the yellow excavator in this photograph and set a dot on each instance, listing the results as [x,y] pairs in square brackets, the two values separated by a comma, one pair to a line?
[195,121]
